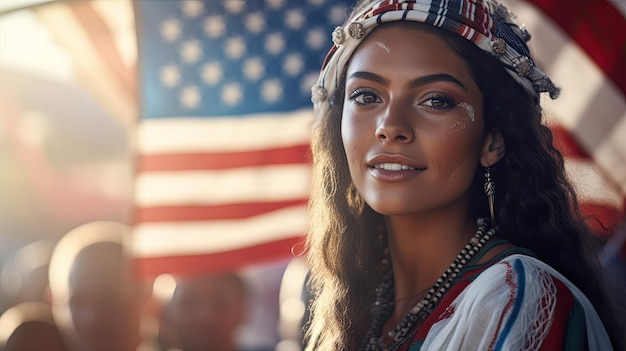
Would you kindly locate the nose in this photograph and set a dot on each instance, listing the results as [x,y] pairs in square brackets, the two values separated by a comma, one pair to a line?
[394,125]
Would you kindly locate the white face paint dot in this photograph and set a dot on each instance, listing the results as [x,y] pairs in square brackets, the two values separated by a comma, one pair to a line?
[468,108]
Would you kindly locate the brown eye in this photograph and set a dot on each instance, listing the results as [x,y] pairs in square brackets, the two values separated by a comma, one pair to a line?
[364,97]
[439,103]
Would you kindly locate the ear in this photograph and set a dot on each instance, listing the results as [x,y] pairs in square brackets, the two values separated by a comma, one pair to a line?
[493,148]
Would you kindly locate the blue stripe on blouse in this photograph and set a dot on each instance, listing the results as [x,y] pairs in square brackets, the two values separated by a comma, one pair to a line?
[518,267]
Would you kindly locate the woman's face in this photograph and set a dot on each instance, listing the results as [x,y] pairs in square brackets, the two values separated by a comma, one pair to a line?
[412,124]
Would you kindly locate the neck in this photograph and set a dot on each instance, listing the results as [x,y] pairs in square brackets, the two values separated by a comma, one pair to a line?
[421,249]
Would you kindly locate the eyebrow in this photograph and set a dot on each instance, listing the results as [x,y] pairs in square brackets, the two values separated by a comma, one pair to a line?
[432,78]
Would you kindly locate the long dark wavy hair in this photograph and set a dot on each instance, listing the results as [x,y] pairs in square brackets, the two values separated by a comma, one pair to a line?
[536,208]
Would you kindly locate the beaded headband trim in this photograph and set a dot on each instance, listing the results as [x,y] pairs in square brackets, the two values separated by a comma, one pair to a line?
[488,24]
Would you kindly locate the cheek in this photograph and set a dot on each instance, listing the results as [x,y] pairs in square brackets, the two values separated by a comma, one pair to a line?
[350,138]
[459,171]
[457,155]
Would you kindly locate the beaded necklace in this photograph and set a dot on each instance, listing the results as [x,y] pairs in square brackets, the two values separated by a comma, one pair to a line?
[384,304]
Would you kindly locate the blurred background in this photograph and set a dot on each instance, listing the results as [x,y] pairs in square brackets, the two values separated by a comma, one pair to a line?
[188,122]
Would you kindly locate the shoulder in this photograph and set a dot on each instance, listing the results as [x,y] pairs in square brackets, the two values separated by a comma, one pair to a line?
[514,282]
[514,302]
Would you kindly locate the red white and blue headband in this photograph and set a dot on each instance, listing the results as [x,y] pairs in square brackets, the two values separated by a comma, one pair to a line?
[488,24]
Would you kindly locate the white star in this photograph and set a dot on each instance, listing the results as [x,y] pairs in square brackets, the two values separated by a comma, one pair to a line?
[293,63]
[232,94]
[235,6]
[274,43]
[253,69]
[255,22]
[193,8]
[214,26]
[316,38]
[170,76]
[170,30]
[191,51]
[294,19]
[190,97]
[308,81]
[337,14]
[272,91]
[317,3]
[275,4]
[235,48]
[212,73]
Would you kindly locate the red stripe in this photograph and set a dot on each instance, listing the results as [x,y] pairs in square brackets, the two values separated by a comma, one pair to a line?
[221,261]
[602,218]
[569,147]
[206,213]
[226,160]
[598,28]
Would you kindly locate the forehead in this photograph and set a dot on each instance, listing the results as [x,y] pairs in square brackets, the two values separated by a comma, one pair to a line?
[412,41]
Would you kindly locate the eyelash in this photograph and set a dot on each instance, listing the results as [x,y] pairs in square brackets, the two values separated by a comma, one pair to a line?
[447,100]
[361,92]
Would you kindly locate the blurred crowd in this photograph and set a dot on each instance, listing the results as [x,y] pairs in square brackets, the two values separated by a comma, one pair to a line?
[81,294]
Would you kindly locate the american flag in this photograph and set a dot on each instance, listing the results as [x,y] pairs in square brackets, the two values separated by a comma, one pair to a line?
[582,47]
[222,176]
[188,81]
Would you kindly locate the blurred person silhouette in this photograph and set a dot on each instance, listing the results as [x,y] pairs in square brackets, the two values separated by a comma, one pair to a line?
[24,275]
[207,312]
[29,326]
[96,301]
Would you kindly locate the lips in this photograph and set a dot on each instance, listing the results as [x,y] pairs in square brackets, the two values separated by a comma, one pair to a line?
[394,168]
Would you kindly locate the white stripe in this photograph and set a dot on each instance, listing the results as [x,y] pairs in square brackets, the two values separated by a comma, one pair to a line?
[590,185]
[91,68]
[268,183]
[590,107]
[612,151]
[180,238]
[174,135]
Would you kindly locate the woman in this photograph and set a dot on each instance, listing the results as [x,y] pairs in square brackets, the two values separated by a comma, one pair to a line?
[420,106]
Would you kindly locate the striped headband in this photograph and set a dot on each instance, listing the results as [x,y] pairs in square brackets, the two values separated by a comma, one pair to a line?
[488,24]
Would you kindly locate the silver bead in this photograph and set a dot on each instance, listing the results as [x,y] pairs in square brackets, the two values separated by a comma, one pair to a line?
[523,66]
[544,84]
[318,93]
[356,30]
[499,46]
[524,32]
[339,36]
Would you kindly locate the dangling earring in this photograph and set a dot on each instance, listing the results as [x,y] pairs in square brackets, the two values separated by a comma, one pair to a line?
[490,190]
